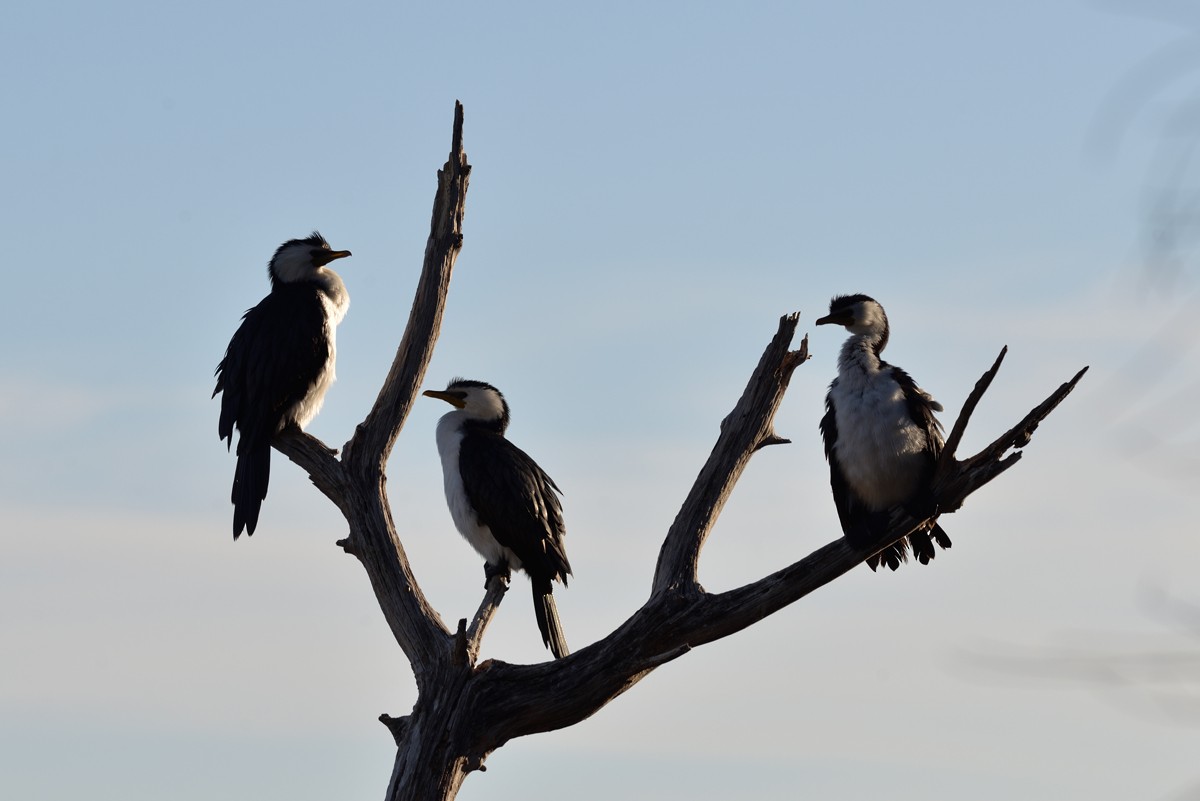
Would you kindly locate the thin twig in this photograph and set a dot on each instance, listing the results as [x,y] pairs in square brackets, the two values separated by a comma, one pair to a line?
[496,588]
[950,449]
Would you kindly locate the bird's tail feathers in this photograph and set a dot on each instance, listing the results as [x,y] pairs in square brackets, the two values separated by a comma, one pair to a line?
[893,556]
[547,619]
[922,546]
[923,540]
[922,543]
[250,480]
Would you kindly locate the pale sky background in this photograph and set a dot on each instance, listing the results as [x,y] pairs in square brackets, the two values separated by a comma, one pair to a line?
[654,185]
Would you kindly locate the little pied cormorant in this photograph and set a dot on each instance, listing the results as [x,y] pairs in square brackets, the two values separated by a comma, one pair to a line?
[279,364]
[881,437]
[501,501]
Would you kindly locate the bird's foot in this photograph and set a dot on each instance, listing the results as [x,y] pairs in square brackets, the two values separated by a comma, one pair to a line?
[860,536]
[291,428]
[491,571]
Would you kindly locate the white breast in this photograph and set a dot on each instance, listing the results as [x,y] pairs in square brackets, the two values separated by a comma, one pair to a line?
[880,451]
[449,440]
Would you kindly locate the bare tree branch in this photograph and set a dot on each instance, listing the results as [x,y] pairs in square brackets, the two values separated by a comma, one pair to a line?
[747,428]
[372,442]
[497,586]
[415,624]
[315,457]
[955,480]
[680,615]
[950,449]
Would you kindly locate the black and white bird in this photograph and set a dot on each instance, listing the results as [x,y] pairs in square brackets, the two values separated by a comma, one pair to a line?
[881,438]
[501,501]
[279,364]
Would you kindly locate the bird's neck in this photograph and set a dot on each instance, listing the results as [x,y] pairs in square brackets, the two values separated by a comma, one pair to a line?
[860,353]
[334,291]
[325,280]
[331,284]
[455,425]
[495,426]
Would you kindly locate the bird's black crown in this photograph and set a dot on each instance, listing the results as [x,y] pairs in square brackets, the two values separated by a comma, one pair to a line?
[840,302]
[460,383]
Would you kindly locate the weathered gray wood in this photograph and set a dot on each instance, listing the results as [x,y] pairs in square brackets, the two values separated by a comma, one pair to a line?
[464,709]
[746,429]
[368,450]
[359,487]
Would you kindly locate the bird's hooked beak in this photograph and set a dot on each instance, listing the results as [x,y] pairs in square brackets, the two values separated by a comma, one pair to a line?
[449,397]
[323,257]
[840,318]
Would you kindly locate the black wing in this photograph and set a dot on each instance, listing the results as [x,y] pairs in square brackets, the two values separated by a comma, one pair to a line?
[517,501]
[921,408]
[271,362]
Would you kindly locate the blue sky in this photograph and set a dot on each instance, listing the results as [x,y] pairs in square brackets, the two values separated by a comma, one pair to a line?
[654,185]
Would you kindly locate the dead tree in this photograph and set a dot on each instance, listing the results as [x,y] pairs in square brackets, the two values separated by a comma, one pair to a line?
[466,709]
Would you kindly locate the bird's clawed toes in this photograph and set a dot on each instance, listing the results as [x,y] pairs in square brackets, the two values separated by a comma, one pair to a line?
[491,571]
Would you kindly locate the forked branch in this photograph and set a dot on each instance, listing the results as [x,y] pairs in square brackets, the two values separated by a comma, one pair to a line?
[367,452]
[746,429]
[680,614]
[954,479]
[356,482]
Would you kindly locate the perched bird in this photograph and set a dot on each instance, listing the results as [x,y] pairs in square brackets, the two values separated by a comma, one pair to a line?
[881,438]
[279,364]
[501,501]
